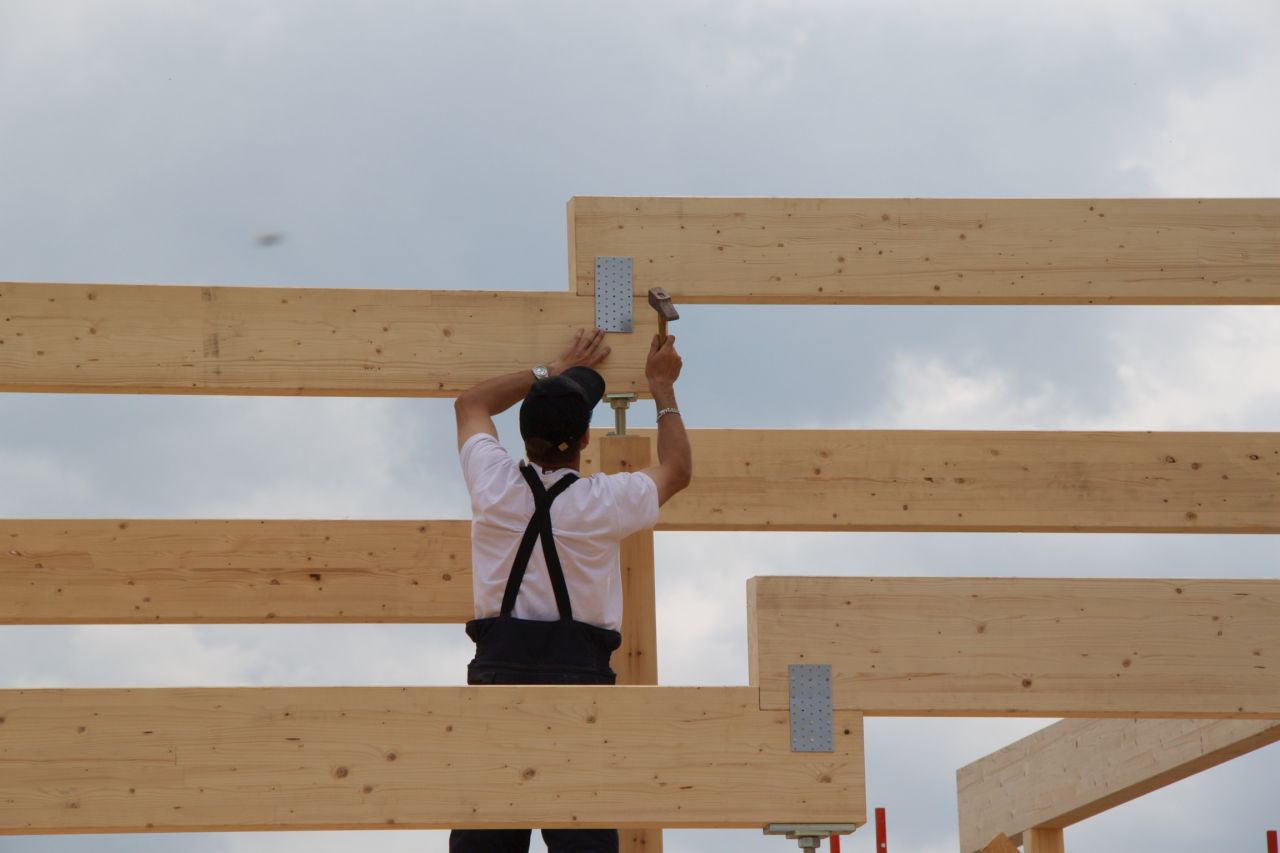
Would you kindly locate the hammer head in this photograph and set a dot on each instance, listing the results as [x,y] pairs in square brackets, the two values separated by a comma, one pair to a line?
[660,301]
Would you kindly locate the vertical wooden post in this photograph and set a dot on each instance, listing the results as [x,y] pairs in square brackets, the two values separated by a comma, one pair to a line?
[636,660]
[1043,840]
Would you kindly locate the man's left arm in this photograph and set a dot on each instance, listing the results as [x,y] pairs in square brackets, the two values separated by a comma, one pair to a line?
[476,406]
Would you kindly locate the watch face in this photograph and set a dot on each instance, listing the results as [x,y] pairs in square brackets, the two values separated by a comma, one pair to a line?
[540,372]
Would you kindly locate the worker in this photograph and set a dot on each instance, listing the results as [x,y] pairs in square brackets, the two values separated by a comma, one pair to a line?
[551,614]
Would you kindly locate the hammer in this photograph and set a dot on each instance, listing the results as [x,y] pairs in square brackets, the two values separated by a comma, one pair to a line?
[660,301]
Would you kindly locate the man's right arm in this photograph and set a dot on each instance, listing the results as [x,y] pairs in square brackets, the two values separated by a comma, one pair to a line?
[675,458]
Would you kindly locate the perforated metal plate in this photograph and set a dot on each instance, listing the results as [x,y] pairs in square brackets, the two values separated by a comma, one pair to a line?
[810,693]
[613,293]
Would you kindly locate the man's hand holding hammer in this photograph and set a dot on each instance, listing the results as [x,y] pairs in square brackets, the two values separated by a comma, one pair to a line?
[675,458]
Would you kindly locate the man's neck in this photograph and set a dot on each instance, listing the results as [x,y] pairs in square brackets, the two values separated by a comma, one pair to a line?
[574,464]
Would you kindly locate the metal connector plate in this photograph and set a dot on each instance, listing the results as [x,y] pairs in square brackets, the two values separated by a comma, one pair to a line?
[613,293]
[809,686]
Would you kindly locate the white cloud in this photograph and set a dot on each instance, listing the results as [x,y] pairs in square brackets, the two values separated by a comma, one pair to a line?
[1211,369]
[321,458]
[63,41]
[1218,141]
[375,655]
[36,478]
[154,656]
[232,655]
[1172,369]
[222,457]
[754,55]
[927,392]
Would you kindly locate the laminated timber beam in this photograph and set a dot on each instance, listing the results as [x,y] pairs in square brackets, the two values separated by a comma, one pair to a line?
[155,572]
[1039,647]
[140,571]
[92,761]
[921,480]
[151,339]
[936,251]
[1075,769]
[143,571]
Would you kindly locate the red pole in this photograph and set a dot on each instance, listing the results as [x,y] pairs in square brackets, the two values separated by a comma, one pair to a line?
[835,844]
[1273,842]
[882,836]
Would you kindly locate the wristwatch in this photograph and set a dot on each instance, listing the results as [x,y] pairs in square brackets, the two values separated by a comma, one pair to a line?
[541,372]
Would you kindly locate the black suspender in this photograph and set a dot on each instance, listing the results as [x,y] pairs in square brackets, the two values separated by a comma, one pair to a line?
[540,526]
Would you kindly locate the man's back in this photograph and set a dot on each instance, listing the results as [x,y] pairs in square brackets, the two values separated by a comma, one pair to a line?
[589,519]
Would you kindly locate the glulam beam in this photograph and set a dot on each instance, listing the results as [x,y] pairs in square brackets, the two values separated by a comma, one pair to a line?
[105,571]
[1036,647]
[936,251]
[171,760]
[971,481]
[154,339]
[1075,769]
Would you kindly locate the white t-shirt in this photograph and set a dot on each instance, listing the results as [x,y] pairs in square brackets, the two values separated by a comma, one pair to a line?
[589,520]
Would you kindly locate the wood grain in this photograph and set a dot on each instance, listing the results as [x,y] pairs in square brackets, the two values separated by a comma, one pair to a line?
[1040,647]
[75,572]
[936,251]
[143,571]
[65,571]
[152,339]
[1044,840]
[636,661]
[88,761]
[908,480]
[1075,769]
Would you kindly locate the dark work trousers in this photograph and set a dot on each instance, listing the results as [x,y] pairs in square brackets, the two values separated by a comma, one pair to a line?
[522,651]
[517,840]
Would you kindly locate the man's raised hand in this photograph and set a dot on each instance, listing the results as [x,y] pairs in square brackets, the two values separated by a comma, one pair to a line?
[662,367]
[587,350]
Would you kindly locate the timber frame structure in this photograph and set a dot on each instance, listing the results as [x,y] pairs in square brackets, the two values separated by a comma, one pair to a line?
[1156,689]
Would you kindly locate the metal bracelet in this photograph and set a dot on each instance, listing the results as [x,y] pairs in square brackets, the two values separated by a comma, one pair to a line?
[669,411]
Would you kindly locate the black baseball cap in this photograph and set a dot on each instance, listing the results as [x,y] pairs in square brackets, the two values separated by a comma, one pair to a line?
[558,409]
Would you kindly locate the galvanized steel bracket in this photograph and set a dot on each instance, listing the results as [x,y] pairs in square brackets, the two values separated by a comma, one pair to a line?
[613,293]
[809,695]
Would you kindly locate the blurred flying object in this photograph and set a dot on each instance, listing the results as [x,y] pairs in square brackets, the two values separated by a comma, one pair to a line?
[271,239]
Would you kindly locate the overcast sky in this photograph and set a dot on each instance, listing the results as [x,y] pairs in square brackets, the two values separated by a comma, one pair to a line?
[429,145]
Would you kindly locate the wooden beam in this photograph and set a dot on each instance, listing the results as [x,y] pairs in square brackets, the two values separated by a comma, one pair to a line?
[1075,769]
[75,572]
[125,571]
[1044,840]
[144,339]
[636,660]
[65,571]
[936,251]
[979,481]
[90,761]
[1038,647]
